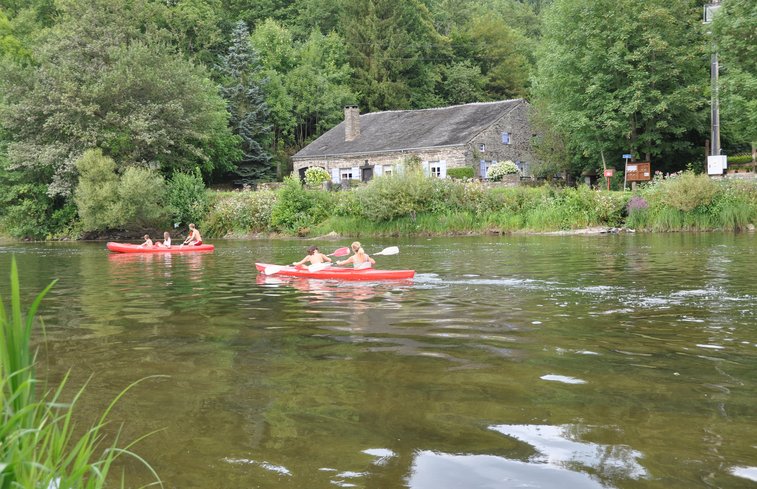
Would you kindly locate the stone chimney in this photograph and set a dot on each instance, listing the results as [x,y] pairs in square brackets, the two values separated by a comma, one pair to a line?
[351,122]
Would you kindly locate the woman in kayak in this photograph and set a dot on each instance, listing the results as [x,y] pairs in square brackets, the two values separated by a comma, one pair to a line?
[194,237]
[359,259]
[148,241]
[166,240]
[314,256]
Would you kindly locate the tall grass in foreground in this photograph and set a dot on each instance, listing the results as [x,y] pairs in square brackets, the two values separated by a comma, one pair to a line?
[38,447]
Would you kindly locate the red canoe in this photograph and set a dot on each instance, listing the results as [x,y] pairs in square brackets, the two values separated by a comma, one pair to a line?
[133,248]
[335,273]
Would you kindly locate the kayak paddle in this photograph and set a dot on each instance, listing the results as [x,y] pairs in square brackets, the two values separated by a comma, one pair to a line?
[392,250]
[272,269]
[340,252]
[317,267]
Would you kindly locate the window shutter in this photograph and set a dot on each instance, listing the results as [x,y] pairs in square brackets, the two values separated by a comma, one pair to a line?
[443,168]
[426,168]
[378,170]
[356,174]
[505,138]
[482,169]
[335,175]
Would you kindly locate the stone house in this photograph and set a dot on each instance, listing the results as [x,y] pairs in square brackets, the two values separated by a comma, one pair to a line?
[475,135]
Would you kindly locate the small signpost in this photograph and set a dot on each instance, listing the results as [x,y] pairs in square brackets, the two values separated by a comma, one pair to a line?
[625,169]
[609,172]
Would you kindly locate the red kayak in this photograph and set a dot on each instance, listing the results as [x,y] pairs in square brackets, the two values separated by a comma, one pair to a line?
[335,273]
[133,248]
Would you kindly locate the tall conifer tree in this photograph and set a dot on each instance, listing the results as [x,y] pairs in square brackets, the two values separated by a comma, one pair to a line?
[243,90]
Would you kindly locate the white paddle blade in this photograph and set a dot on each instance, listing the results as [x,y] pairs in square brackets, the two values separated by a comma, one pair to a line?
[318,267]
[392,250]
[272,269]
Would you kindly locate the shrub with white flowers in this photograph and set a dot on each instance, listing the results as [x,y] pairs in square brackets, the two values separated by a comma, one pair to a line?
[315,176]
[498,170]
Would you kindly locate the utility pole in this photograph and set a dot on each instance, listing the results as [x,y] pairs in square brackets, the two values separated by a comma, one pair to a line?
[709,12]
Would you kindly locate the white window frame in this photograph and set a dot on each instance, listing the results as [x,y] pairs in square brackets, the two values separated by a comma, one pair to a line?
[438,169]
[482,147]
[388,170]
[345,174]
[506,138]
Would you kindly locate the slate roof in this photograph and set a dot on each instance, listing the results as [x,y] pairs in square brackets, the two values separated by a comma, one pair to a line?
[397,130]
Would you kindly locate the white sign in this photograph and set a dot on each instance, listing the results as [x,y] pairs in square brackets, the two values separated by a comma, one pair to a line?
[716,164]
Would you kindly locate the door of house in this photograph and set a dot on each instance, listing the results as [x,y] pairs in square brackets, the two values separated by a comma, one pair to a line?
[366,173]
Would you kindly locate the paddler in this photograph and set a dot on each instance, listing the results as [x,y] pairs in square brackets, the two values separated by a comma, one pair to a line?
[360,259]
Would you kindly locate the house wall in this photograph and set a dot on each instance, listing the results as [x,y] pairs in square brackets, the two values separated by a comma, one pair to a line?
[452,157]
[515,123]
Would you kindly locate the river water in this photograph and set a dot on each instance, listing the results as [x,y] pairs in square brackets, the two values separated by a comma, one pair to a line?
[625,361]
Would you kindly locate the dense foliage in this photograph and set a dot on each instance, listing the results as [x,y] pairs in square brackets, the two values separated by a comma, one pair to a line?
[231,89]
[416,204]
[620,76]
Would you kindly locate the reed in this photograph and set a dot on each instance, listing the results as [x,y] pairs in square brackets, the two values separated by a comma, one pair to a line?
[39,447]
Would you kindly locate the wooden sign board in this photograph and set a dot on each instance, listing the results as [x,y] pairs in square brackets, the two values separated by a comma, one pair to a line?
[609,172]
[639,171]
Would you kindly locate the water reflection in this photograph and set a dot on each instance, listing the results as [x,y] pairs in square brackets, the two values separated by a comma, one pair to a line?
[586,358]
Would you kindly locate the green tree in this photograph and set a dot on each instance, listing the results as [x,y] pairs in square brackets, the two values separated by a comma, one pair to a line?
[141,199]
[275,46]
[498,50]
[243,89]
[308,83]
[10,45]
[195,25]
[394,49]
[462,83]
[105,78]
[97,191]
[622,76]
[735,35]
[319,85]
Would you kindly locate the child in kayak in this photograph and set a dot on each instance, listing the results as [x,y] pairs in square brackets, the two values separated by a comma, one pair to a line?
[194,238]
[148,241]
[166,240]
[359,259]
[314,257]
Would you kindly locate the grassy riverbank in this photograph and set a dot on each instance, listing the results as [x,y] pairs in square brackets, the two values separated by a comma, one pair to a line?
[417,205]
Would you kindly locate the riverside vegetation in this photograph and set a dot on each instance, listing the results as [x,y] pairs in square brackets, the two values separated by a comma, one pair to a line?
[399,205]
[41,446]
[406,205]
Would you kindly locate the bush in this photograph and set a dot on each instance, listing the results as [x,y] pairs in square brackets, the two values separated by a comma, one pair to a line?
[739,159]
[245,211]
[498,170]
[461,173]
[392,196]
[685,192]
[298,209]
[315,176]
[187,198]
[96,194]
[141,199]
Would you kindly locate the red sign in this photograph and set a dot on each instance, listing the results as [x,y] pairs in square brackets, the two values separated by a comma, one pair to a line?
[609,172]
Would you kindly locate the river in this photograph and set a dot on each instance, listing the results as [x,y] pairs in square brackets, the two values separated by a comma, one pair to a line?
[624,361]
